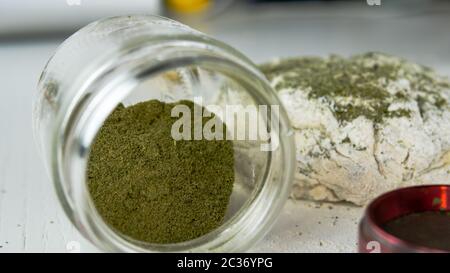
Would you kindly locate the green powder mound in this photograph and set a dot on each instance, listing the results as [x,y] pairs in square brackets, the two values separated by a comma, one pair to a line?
[362,85]
[152,188]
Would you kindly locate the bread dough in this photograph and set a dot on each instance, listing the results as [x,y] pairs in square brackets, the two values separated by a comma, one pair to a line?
[364,125]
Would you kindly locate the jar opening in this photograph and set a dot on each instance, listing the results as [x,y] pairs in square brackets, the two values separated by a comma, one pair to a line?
[215,80]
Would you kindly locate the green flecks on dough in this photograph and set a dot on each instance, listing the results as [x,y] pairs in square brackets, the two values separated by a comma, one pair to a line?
[363,79]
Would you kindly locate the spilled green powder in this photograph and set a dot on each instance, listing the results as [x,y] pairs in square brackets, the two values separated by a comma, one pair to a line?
[154,189]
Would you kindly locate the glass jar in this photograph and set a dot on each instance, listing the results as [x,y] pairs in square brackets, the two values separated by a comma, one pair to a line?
[136,58]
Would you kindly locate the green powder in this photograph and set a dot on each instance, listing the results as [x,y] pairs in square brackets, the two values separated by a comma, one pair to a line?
[152,188]
[346,82]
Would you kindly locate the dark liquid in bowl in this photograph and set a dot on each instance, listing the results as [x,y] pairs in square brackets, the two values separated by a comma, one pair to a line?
[429,229]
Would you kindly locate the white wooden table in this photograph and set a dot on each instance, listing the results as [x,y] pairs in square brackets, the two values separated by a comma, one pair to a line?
[31,218]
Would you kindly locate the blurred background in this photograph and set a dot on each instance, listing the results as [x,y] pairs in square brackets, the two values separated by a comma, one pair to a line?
[30,216]
[261,29]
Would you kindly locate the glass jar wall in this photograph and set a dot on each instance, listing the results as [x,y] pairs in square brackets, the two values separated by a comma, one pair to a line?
[139,58]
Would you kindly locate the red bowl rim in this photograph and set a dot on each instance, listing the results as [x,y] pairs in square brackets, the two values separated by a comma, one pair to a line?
[388,238]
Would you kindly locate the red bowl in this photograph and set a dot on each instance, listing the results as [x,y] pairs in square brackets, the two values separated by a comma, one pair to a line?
[389,206]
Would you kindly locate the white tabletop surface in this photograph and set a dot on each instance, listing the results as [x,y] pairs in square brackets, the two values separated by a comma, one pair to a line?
[31,219]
